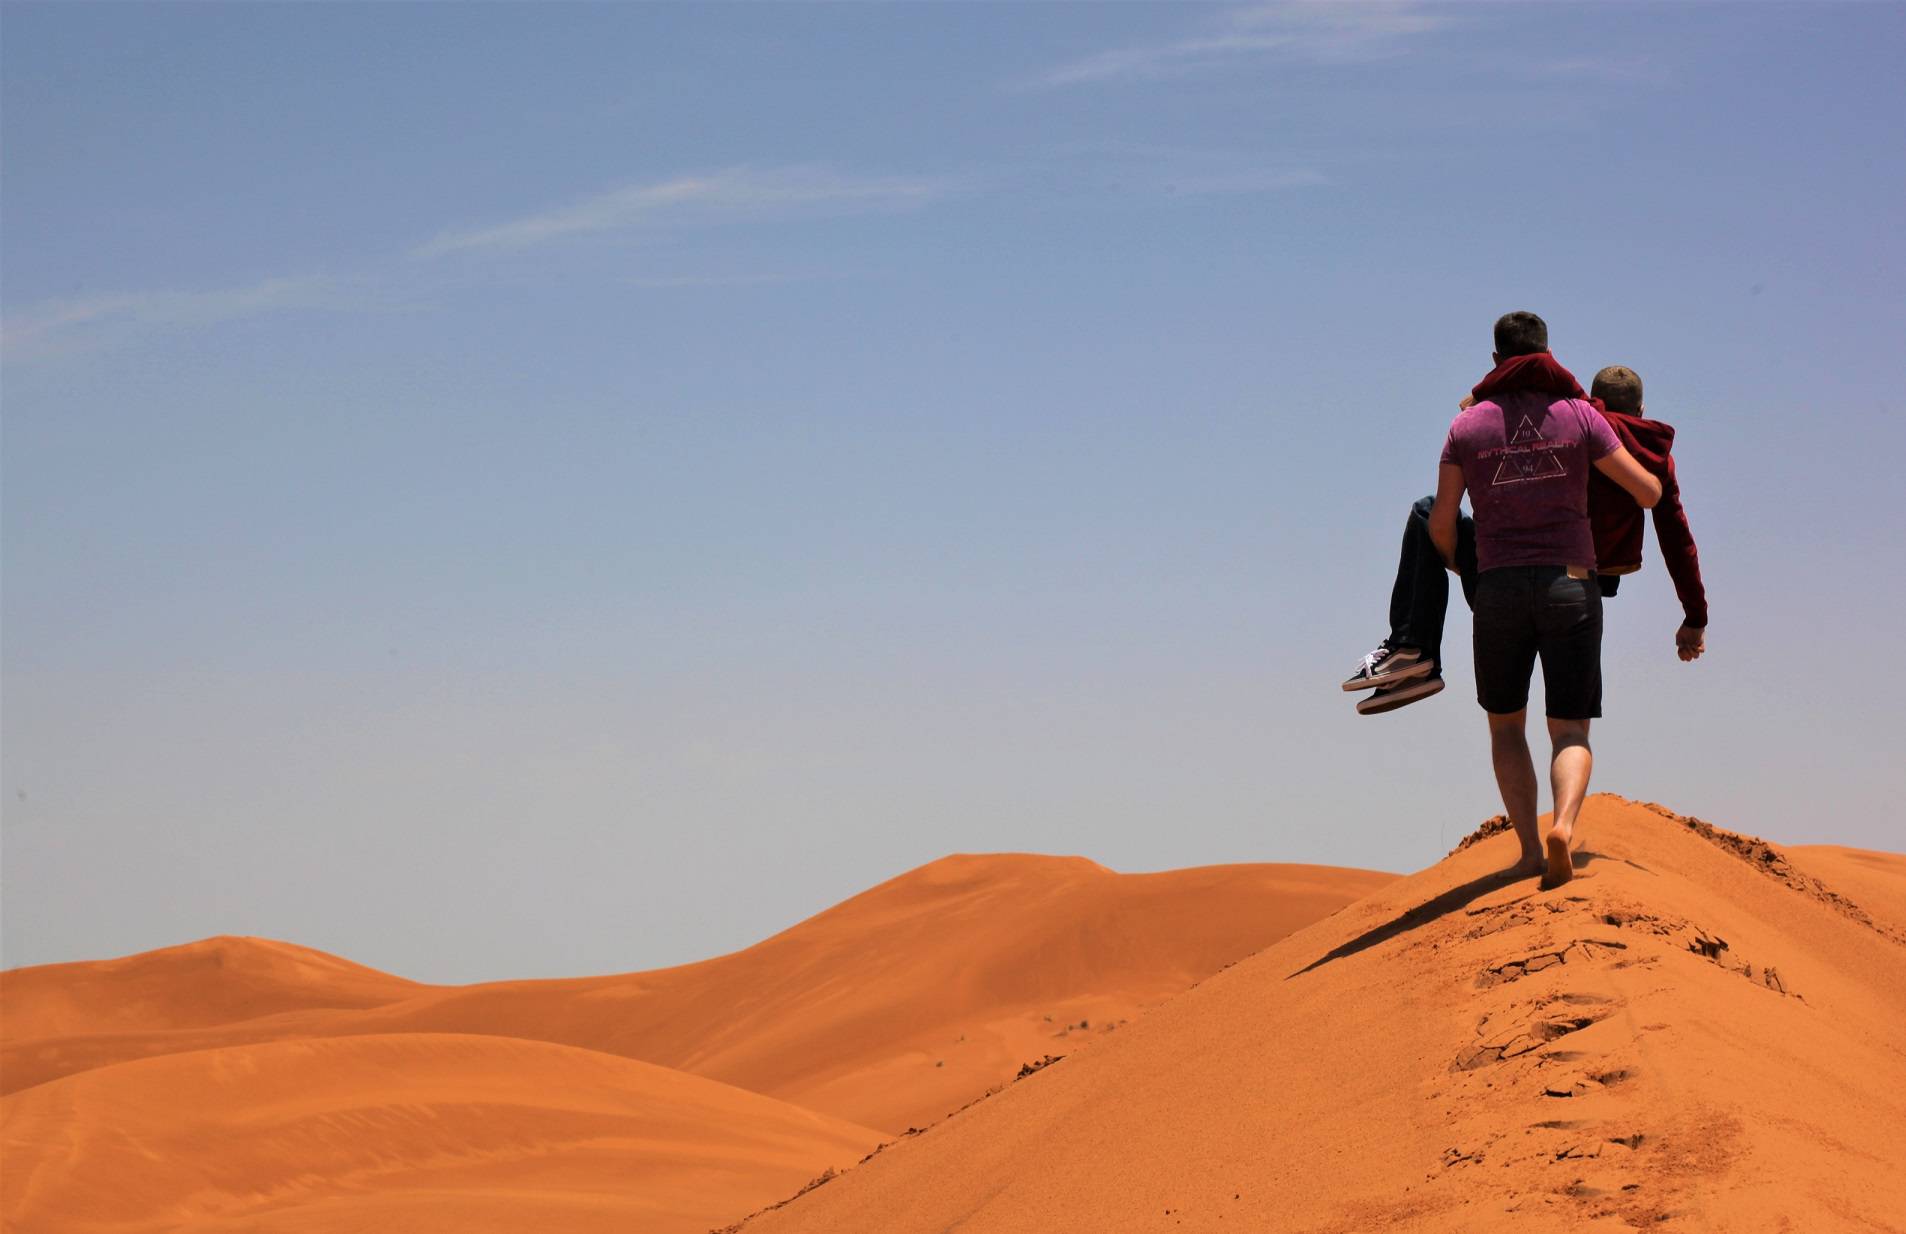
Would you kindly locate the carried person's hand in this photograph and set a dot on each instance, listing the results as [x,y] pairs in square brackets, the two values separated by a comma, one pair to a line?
[1690,642]
[1469,400]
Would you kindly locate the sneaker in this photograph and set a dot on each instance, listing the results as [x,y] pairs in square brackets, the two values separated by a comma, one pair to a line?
[1399,694]
[1387,664]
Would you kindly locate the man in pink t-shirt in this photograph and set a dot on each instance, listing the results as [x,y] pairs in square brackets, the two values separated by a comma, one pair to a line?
[1524,456]
[1524,459]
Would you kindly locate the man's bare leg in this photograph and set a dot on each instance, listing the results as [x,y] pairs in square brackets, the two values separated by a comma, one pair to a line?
[1570,762]
[1515,776]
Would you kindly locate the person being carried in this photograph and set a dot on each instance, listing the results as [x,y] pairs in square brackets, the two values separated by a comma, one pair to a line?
[1524,455]
[1407,665]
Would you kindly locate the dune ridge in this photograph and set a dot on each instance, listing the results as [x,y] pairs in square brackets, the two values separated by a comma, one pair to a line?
[887,1010]
[1681,1039]
[209,983]
[1875,881]
[242,1084]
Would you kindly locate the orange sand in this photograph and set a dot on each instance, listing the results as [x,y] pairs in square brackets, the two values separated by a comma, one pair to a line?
[210,983]
[241,1084]
[889,1010]
[415,1132]
[1687,1037]
[1874,881]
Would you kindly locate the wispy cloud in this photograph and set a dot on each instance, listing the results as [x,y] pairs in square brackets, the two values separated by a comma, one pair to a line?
[1314,30]
[734,193]
[79,323]
[56,325]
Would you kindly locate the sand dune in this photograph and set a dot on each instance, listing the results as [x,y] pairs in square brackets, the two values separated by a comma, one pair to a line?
[1874,881]
[901,1004]
[213,982]
[1695,1034]
[457,1134]
[888,1010]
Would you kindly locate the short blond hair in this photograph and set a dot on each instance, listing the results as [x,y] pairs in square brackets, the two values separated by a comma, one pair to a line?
[1619,388]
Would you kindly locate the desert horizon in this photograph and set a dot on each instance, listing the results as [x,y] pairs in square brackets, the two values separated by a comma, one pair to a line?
[676,1099]
[961,1017]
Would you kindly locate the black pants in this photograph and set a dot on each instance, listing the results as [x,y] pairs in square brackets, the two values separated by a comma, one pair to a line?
[1528,612]
[1420,599]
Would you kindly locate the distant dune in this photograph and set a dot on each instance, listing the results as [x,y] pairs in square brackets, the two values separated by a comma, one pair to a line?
[1697,1034]
[241,1084]
[427,1133]
[889,1010]
[1875,881]
[215,982]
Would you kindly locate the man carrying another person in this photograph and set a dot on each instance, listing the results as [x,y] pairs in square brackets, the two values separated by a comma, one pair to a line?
[1407,665]
[1524,450]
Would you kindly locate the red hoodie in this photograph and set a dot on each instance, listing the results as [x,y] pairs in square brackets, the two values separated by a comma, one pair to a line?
[1614,515]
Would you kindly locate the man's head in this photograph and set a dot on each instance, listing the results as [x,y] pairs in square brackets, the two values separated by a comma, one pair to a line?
[1520,334]
[1619,389]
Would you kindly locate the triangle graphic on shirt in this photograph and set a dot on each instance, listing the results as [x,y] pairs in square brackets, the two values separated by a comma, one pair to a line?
[1525,432]
[1535,465]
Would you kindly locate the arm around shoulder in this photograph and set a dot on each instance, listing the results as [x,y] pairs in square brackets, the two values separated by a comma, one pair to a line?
[1621,467]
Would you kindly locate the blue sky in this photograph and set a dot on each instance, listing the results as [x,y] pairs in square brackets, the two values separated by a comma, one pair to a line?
[504,490]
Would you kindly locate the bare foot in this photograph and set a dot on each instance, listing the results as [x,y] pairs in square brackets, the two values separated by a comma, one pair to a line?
[1530,865]
[1560,868]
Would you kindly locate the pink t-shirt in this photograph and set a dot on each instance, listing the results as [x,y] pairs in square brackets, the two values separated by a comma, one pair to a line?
[1525,458]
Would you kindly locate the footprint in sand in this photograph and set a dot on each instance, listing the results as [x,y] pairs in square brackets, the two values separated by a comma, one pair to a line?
[1579,951]
[1527,1028]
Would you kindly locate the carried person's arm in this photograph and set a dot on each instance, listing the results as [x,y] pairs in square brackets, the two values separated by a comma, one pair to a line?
[1621,467]
[1448,508]
[1684,564]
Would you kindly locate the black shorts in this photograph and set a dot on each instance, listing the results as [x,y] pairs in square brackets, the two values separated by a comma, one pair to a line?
[1527,611]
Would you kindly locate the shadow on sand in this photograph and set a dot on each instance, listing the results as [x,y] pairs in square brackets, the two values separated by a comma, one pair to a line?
[1430,910]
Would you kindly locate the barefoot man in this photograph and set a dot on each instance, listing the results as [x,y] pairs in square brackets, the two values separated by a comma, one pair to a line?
[1524,456]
